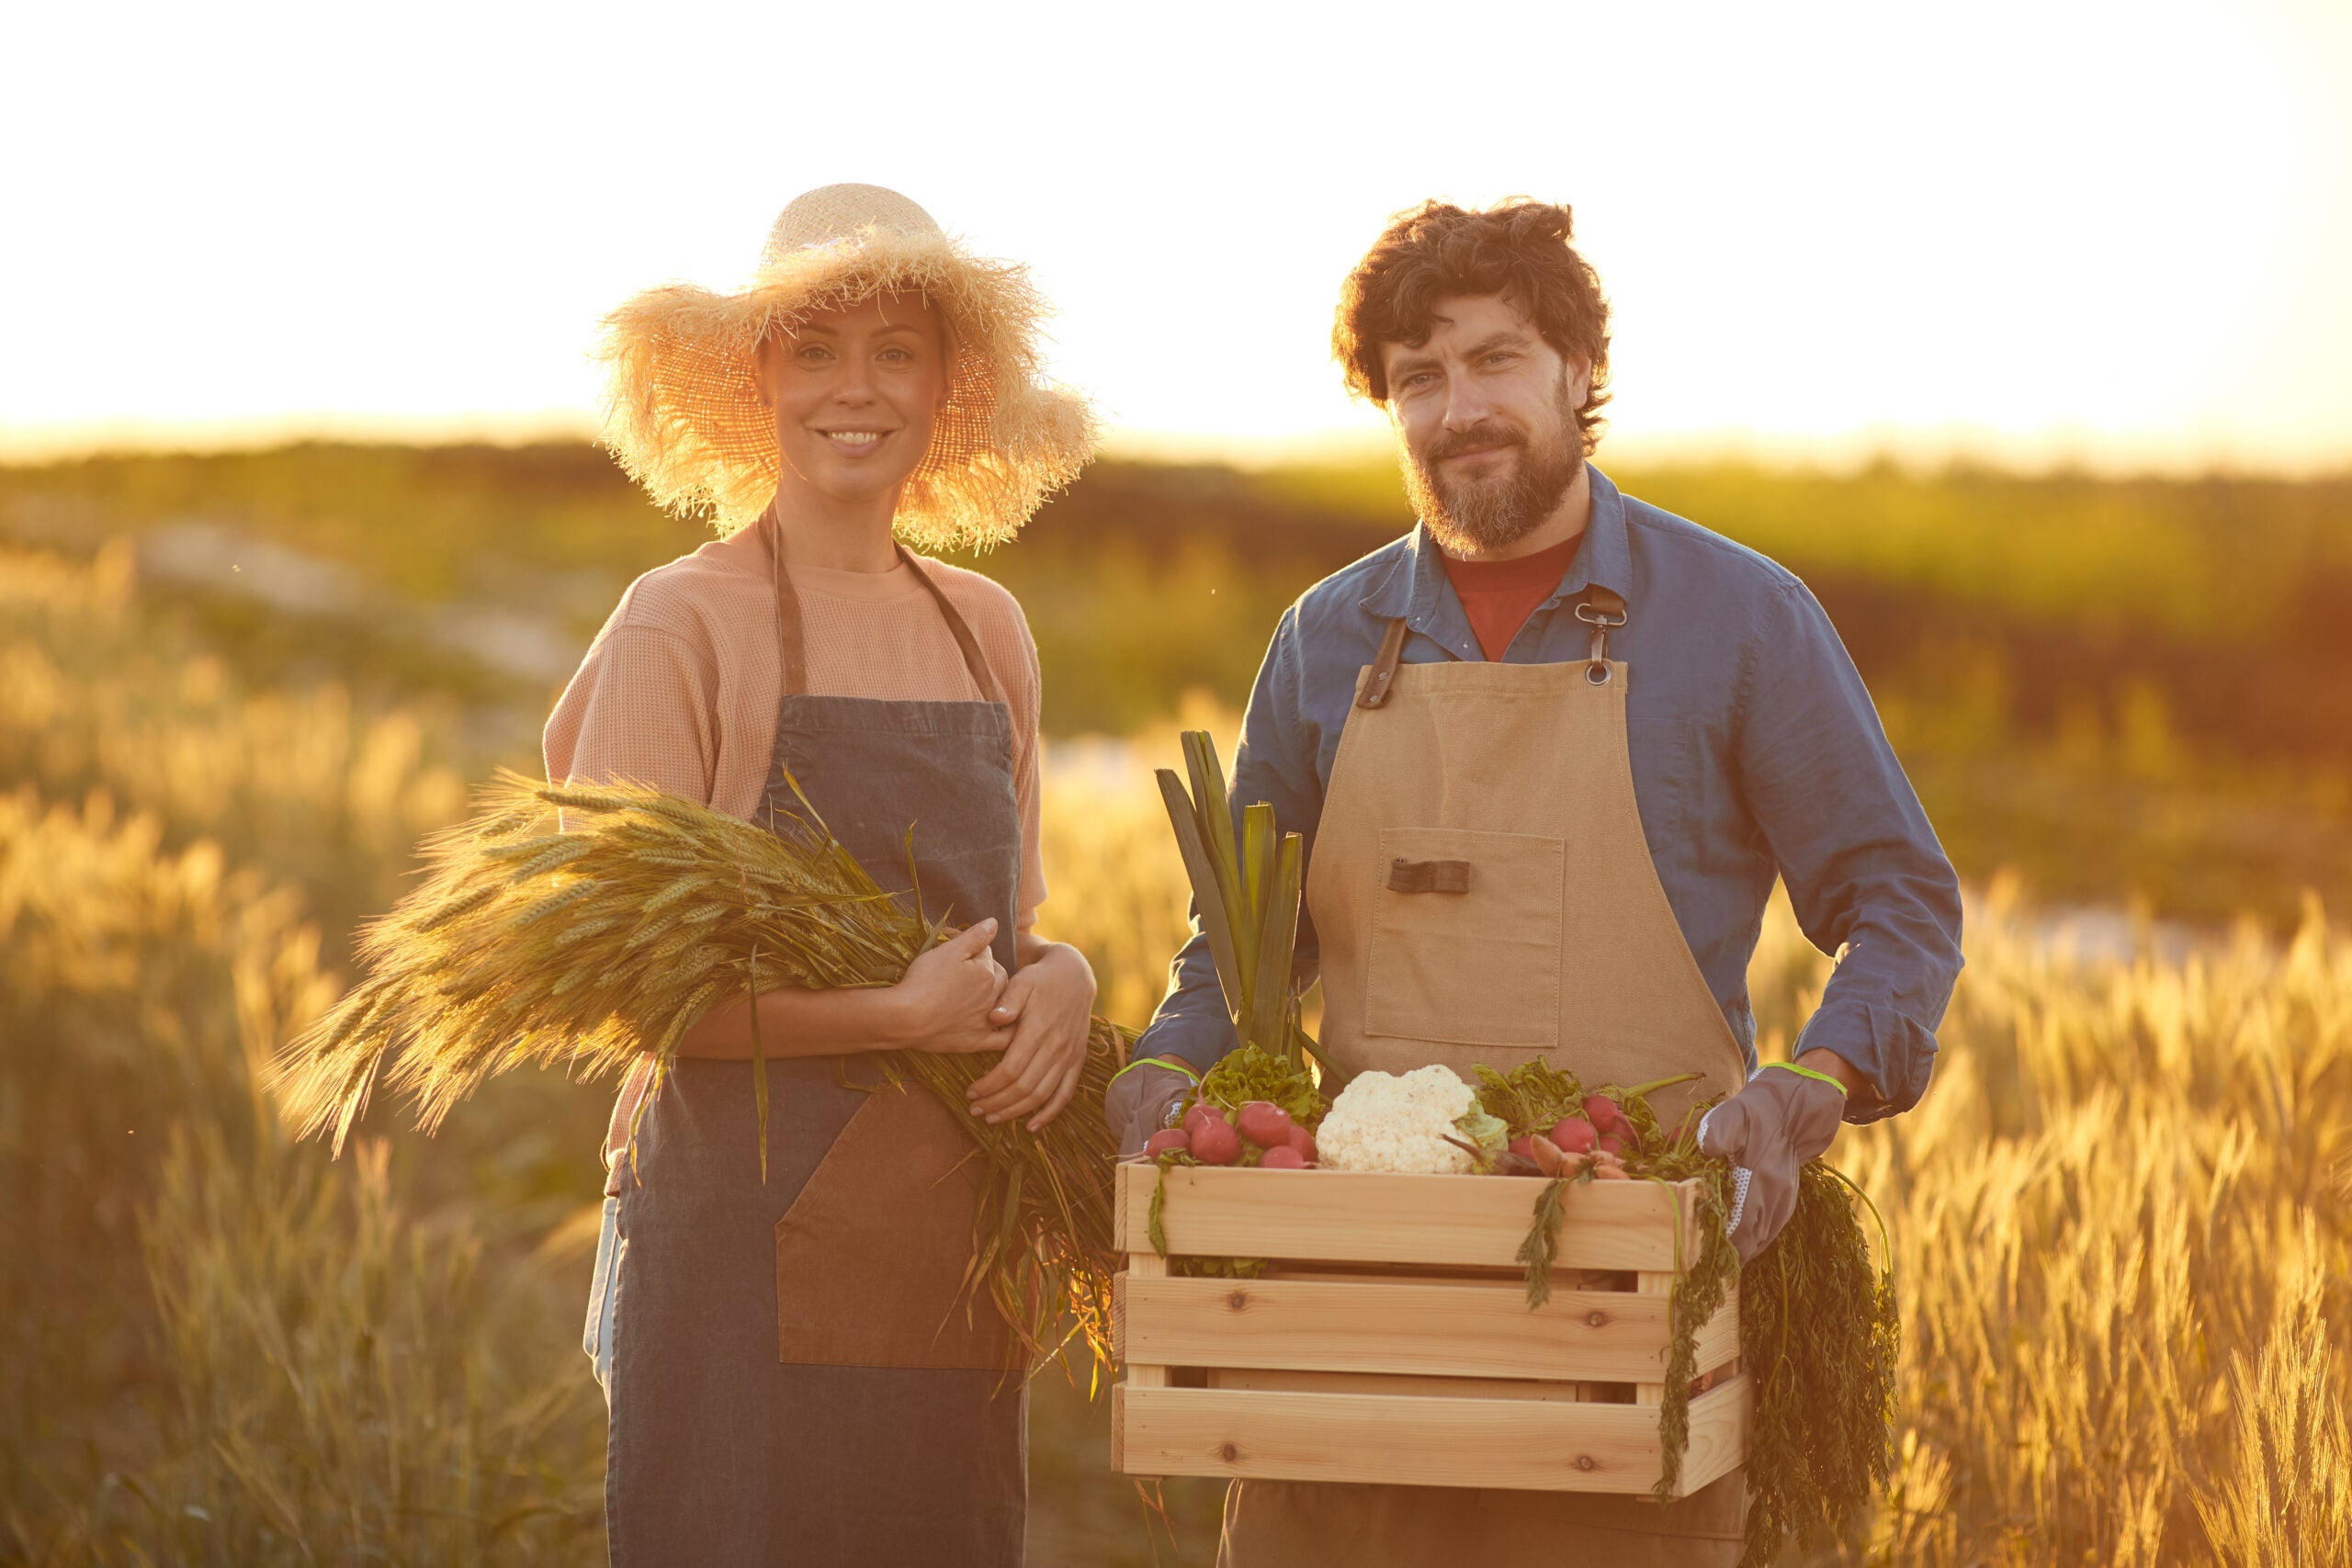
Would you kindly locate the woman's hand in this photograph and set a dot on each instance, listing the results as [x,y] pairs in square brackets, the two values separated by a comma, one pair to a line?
[1048,1006]
[946,1000]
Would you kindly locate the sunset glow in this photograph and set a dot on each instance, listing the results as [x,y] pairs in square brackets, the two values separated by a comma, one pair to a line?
[2112,233]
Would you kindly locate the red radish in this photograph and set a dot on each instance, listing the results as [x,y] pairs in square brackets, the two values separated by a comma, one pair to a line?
[1303,1141]
[1524,1148]
[1284,1157]
[1166,1139]
[1265,1123]
[1576,1136]
[1216,1143]
[1605,1116]
[1611,1143]
[1200,1115]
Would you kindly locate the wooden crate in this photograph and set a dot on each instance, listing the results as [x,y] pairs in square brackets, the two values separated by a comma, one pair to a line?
[1390,1339]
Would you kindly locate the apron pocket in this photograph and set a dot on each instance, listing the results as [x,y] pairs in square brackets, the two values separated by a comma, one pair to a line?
[872,1259]
[1480,966]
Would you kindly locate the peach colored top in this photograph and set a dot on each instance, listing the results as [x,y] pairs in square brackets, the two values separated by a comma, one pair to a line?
[680,689]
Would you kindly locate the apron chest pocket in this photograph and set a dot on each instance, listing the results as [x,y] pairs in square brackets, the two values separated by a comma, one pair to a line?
[1465,938]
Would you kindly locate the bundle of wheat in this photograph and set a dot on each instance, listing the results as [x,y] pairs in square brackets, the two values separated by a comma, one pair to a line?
[594,939]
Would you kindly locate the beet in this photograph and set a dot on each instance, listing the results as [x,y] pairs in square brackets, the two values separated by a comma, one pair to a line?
[1605,1116]
[1283,1157]
[1303,1141]
[1576,1136]
[1216,1143]
[1167,1138]
[1266,1124]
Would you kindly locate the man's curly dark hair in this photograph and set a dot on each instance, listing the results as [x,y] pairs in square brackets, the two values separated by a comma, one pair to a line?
[1520,249]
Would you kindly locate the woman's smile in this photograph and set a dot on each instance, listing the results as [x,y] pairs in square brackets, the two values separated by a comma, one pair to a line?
[852,442]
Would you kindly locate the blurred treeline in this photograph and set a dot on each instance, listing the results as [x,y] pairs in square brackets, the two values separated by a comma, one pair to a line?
[2131,692]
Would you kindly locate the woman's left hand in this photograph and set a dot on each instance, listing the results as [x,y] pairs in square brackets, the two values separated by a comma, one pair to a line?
[1049,1004]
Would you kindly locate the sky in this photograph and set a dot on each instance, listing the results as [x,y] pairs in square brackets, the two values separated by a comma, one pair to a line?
[2042,232]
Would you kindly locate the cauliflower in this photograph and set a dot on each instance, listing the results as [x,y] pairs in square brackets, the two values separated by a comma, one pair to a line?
[1384,1122]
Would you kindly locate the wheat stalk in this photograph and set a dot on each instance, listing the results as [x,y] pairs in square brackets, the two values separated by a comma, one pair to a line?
[603,936]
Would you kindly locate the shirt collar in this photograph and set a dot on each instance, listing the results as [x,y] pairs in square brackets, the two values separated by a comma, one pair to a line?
[1415,585]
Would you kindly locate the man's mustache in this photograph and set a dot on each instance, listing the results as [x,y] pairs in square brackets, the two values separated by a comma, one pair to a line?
[1484,433]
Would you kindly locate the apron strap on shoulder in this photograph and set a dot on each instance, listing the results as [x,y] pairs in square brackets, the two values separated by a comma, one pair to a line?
[975,662]
[791,640]
[791,644]
[1372,689]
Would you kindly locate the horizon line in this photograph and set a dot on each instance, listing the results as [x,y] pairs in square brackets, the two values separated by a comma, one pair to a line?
[1917,449]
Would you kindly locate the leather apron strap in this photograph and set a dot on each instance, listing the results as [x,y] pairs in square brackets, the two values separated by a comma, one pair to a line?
[1371,686]
[791,638]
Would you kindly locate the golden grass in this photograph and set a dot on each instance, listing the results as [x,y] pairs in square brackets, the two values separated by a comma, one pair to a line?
[220,1347]
[2122,1217]
[599,938]
[97,694]
[2121,1225]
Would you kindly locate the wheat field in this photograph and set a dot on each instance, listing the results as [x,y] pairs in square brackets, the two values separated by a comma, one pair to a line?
[2121,1219]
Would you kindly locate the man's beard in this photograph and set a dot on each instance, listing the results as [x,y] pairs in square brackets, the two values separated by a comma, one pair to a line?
[1479,516]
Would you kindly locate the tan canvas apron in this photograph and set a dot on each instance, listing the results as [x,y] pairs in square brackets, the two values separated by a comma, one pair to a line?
[1483,895]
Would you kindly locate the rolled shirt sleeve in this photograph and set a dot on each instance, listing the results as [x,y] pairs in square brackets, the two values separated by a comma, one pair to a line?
[1865,874]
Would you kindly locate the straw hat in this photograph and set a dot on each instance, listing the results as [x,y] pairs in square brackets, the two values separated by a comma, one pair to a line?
[683,413]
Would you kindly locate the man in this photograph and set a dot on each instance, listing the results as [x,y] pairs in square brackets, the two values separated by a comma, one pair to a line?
[1549,752]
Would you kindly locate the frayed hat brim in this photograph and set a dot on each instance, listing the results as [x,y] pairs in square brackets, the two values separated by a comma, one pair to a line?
[683,414]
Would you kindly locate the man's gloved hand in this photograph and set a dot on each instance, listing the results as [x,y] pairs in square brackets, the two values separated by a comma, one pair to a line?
[1140,1098]
[1787,1115]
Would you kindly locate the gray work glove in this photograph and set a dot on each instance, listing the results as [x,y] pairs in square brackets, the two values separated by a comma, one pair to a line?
[1785,1116]
[1141,1098]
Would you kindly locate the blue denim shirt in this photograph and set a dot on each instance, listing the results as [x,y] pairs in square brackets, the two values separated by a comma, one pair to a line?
[1756,753]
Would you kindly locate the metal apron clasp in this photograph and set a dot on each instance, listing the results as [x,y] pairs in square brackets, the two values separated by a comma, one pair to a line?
[1602,623]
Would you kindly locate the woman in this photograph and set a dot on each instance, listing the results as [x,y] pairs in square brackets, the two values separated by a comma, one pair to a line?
[796,1369]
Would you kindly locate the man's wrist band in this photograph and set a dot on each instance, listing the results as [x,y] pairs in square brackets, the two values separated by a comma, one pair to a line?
[1811,1073]
[1173,1064]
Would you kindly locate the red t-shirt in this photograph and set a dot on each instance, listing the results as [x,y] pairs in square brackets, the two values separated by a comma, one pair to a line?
[1498,596]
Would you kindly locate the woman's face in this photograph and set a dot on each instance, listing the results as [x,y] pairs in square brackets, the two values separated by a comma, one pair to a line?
[856,391]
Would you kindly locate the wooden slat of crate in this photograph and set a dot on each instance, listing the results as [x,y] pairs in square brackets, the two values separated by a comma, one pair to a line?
[1286,1381]
[1447,1388]
[1404,1440]
[1420,1327]
[1362,1216]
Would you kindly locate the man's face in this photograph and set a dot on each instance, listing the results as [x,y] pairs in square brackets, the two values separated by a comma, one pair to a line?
[856,393]
[1485,412]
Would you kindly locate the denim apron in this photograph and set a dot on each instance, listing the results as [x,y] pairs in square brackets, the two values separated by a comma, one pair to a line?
[797,1374]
